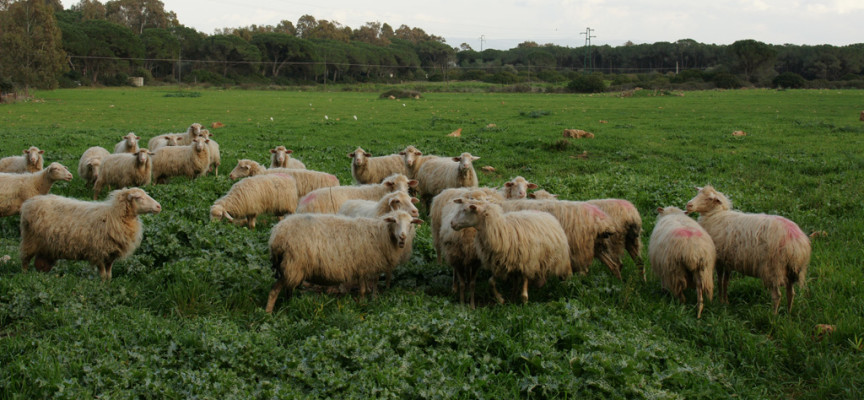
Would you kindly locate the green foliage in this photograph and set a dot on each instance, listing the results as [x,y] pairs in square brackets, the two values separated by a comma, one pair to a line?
[789,80]
[585,83]
[726,80]
[31,41]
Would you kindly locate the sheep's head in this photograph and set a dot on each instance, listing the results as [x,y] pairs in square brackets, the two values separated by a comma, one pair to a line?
[57,172]
[401,200]
[172,140]
[142,157]
[33,155]
[359,157]
[140,201]
[542,195]
[410,156]
[708,199]
[665,211]
[131,140]
[217,213]
[517,188]
[280,156]
[398,182]
[93,166]
[200,144]
[243,169]
[400,226]
[466,165]
[194,130]
[470,213]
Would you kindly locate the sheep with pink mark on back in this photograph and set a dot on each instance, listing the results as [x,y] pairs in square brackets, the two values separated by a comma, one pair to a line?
[769,247]
[627,224]
[280,157]
[682,255]
[31,161]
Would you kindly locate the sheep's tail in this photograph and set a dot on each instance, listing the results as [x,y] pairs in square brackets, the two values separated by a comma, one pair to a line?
[276,264]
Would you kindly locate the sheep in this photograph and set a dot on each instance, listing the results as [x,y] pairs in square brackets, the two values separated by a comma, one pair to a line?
[280,157]
[439,173]
[162,141]
[307,180]
[368,169]
[324,249]
[517,188]
[271,193]
[542,195]
[588,231]
[15,189]
[183,139]
[89,164]
[215,156]
[328,200]
[628,229]
[456,248]
[413,160]
[31,161]
[123,170]
[577,134]
[191,161]
[530,245]
[128,144]
[56,227]
[682,255]
[769,247]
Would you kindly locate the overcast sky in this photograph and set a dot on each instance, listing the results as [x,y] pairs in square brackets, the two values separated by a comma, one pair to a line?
[506,23]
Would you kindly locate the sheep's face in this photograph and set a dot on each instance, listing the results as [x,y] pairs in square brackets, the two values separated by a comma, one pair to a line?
[200,144]
[142,202]
[33,155]
[93,168]
[217,213]
[543,195]
[171,140]
[194,130]
[143,156]
[400,226]
[359,157]
[131,140]
[469,215]
[280,156]
[466,165]
[410,156]
[57,172]
[707,200]
[242,170]
[517,188]
[402,201]
[398,182]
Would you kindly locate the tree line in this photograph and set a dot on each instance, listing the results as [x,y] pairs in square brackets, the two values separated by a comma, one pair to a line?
[95,43]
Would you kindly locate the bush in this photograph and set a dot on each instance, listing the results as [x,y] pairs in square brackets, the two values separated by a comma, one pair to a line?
[688,75]
[726,80]
[789,80]
[474,75]
[503,77]
[551,75]
[587,84]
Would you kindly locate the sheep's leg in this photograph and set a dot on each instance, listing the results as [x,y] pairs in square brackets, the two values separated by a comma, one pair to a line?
[613,262]
[524,290]
[471,283]
[103,272]
[775,298]
[497,295]
[251,221]
[633,249]
[274,293]
[459,284]
[388,278]
[790,295]
[724,285]
[699,303]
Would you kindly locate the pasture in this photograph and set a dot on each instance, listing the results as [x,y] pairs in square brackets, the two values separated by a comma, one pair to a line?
[184,316]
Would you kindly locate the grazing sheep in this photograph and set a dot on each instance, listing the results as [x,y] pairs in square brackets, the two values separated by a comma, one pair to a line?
[191,161]
[768,247]
[627,224]
[682,255]
[56,227]
[517,188]
[439,173]
[90,162]
[280,157]
[328,200]
[456,248]
[183,139]
[162,141]
[542,195]
[215,156]
[124,169]
[31,161]
[129,144]
[307,180]
[577,134]
[324,249]
[368,169]
[272,193]
[15,189]
[588,231]
[529,245]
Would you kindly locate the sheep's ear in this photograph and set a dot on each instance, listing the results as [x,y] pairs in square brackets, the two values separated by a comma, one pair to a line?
[415,200]
[289,151]
[457,159]
[228,216]
[390,220]
[273,151]
[151,153]
[508,184]
[532,196]
[532,186]
[457,201]
[555,196]
[349,154]
[474,158]
[698,188]
[659,210]
[413,183]
[367,154]
[395,201]
[137,137]
[419,153]
[401,153]
[417,221]
[389,184]
[473,207]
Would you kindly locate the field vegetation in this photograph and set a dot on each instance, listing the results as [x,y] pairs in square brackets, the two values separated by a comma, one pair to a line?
[184,318]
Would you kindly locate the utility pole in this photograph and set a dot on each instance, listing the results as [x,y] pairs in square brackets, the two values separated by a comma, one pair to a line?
[482,39]
[588,63]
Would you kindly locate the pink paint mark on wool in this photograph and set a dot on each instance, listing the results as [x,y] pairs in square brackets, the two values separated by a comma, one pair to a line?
[596,211]
[308,198]
[625,203]
[687,232]
[792,230]
[334,178]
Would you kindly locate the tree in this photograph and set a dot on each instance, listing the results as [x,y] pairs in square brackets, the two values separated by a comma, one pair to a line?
[159,44]
[279,49]
[749,57]
[232,53]
[90,9]
[32,46]
[371,33]
[102,49]
[140,14]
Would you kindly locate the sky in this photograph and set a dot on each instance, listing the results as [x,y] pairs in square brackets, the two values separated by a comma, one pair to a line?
[503,24]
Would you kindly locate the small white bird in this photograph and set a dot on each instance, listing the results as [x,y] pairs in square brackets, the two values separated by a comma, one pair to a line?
[355,117]
[326,117]
[271,118]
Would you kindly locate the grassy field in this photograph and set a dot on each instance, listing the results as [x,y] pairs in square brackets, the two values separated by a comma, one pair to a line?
[183,317]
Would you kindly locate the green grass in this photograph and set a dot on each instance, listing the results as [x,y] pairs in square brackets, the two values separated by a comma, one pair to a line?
[183,317]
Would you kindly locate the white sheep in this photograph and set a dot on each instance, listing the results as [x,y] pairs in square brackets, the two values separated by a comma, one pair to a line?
[280,157]
[588,231]
[627,224]
[307,180]
[324,249]
[526,245]
[183,139]
[768,247]
[123,170]
[682,255]
[439,173]
[31,161]
[215,155]
[89,164]
[272,193]
[413,159]
[191,161]
[128,144]
[162,141]
[328,200]
[368,169]
[56,227]
[15,189]
[517,188]
[542,195]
